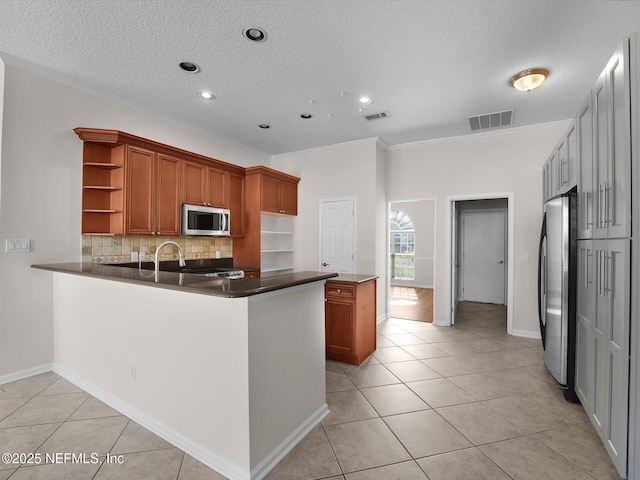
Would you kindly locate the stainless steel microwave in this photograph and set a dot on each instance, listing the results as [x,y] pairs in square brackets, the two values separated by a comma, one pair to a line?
[198,220]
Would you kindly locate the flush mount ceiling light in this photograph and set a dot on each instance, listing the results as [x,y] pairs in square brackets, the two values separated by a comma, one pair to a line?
[207,95]
[189,67]
[255,34]
[306,116]
[365,100]
[527,80]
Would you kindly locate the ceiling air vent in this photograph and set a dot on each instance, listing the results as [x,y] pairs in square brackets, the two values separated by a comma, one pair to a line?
[491,120]
[376,116]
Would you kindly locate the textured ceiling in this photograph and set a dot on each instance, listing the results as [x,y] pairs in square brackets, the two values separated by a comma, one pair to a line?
[429,63]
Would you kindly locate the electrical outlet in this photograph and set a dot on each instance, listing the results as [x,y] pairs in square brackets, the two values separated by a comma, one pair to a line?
[217,253]
[141,256]
[134,256]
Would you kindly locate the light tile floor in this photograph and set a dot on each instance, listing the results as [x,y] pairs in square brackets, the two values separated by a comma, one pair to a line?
[437,403]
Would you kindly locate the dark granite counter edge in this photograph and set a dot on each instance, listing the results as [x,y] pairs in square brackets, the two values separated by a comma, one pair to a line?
[186,282]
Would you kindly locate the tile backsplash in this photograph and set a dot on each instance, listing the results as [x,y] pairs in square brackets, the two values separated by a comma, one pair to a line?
[117,249]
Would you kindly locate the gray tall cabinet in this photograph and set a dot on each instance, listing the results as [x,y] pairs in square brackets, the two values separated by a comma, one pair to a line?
[604,355]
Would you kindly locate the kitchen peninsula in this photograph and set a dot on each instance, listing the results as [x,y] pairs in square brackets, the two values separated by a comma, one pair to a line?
[231,371]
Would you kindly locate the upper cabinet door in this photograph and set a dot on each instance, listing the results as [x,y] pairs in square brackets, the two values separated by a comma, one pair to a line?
[570,174]
[217,188]
[553,176]
[270,194]
[600,152]
[236,204]
[167,201]
[288,198]
[194,183]
[617,196]
[140,192]
[612,148]
[586,193]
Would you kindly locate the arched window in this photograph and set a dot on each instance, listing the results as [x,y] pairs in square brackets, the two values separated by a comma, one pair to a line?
[403,245]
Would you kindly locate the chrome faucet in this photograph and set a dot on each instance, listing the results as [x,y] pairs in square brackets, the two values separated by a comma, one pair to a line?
[156,260]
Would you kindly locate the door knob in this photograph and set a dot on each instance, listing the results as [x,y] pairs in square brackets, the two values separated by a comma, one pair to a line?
[325,264]
[500,262]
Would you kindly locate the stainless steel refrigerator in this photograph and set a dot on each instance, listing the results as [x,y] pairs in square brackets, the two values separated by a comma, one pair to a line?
[557,290]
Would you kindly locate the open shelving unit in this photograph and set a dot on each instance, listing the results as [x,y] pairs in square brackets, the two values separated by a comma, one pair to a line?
[102,189]
[276,243]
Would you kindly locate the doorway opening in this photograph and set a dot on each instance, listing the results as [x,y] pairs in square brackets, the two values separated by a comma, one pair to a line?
[481,253]
[411,259]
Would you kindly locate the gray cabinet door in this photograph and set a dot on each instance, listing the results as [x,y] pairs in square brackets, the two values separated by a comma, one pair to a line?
[612,149]
[553,176]
[600,152]
[609,410]
[570,172]
[585,170]
[585,323]
[616,296]
[618,187]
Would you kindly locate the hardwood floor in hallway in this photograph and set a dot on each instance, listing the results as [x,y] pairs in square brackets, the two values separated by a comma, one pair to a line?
[411,303]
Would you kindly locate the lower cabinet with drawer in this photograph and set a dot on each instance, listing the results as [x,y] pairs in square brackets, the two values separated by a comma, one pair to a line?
[350,318]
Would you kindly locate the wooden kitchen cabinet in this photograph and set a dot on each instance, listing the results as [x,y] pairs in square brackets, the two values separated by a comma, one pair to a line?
[268,192]
[152,204]
[279,193]
[102,189]
[204,185]
[236,204]
[350,320]
[135,186]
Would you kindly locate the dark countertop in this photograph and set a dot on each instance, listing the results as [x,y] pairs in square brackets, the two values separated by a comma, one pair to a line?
[189,282]
[352,278]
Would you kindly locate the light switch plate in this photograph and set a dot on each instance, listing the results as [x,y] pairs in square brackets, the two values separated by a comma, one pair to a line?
[17,245]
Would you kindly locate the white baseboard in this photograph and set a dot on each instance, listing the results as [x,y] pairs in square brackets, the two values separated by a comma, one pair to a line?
[526,334]
[213,461]
[266,465]
[382,318]
[440,323]
[29,372]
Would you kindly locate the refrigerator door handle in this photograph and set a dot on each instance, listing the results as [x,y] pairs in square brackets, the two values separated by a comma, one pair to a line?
[542,260]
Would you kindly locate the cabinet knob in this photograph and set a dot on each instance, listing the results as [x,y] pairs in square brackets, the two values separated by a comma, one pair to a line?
[338,290]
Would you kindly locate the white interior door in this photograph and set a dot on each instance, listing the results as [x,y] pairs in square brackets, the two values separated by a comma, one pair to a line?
[483,256]
[337,236]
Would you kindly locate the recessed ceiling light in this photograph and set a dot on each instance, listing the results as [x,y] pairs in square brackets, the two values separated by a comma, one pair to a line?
[365,100]
[255,34]
[207,95]
[189,67]
[527,80]
[306,116]
[264,126]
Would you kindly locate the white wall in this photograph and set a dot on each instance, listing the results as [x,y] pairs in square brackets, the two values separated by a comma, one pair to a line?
[422,213]
[510,161]
[349,170]
[41,192]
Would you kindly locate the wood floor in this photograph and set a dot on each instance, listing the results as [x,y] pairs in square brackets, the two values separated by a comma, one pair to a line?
[411,303]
